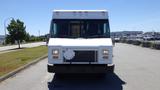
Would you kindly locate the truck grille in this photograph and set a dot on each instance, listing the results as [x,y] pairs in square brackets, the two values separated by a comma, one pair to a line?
[84,56]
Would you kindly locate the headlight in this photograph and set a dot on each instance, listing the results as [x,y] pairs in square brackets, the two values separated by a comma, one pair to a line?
[105,53]
[55,53]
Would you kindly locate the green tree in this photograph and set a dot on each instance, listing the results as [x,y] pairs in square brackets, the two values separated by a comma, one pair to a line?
[17,31]
[27,38]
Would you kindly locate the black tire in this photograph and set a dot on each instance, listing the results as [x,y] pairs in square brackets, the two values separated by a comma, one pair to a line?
[111,69]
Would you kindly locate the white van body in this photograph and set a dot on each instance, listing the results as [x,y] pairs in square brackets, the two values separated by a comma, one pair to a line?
[80,42]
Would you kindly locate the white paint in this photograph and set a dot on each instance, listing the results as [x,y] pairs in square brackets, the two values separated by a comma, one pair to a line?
[80,42]
[80,14]
[96,44]
[79,10]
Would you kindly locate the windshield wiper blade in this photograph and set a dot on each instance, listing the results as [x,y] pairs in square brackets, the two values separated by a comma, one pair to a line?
[66,36]
[96,36]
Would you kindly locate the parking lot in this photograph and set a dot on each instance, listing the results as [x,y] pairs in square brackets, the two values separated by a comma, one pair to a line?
[136,68]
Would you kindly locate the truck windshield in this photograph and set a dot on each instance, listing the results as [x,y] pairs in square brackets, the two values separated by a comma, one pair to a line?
[80,29]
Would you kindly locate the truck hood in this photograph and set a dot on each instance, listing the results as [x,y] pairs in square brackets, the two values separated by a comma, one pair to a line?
[80,42]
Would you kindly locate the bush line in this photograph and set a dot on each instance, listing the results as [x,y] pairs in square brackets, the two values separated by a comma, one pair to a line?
[146,44]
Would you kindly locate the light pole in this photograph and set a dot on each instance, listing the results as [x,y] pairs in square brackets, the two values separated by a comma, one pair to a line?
[39,32]
[5,28]
[154,36]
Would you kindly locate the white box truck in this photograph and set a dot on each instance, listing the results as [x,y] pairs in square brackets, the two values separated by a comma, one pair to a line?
[80,42]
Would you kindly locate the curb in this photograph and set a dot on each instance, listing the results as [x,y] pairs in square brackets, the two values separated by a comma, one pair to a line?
[6,76]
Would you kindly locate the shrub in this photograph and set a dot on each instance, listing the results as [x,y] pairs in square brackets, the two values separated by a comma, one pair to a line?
[146,44]
[123,40]
[130,41]
[156,46]
[136,42]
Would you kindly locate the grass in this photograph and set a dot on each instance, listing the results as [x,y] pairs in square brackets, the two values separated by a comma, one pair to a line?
[13,60]
[1,45]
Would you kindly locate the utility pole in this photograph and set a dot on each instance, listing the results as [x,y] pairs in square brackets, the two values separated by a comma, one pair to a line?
[154,36]
[39,32]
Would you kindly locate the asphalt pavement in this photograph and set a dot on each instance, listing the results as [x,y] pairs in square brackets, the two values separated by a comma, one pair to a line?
[136,68]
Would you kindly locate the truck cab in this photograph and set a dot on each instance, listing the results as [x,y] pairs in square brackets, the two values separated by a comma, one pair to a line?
[80,42]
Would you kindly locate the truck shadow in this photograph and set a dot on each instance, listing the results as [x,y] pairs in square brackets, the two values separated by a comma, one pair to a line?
[86,82]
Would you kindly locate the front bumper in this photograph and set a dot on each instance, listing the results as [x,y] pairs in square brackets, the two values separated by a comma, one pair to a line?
[80,68]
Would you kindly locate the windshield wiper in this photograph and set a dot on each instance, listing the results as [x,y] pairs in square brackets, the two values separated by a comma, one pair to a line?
[96,36]
[66,36]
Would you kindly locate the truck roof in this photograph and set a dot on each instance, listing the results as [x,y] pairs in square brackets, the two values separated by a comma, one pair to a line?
[79,10]
[80,14]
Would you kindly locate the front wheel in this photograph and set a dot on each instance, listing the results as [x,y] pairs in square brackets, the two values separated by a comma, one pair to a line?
[111,68]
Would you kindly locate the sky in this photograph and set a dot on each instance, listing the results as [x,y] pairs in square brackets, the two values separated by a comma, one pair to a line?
[124,15]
